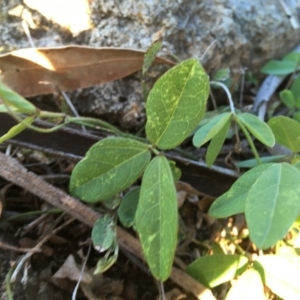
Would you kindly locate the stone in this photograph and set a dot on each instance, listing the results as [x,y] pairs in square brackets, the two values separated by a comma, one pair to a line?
[235,34]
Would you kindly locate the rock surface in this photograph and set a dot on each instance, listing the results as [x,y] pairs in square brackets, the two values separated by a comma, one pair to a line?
[226,33]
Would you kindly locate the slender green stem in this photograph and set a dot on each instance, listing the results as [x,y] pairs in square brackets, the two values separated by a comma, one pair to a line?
[154,150]
[42,130]
[99,124]
[95,123]
[51,115]
[27,125]
[249,139]
[35,128]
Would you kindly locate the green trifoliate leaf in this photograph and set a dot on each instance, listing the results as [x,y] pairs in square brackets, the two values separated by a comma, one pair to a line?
[176,104]
[216,144]
[109,167]
[210,129]
[104,233]
[213,270]
[258,128]
[281,275]
[13,99]
[272,204]
[127,209]
[233,202]
[156,217]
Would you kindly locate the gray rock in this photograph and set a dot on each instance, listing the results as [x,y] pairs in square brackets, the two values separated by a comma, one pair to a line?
[236,34]
[246,33]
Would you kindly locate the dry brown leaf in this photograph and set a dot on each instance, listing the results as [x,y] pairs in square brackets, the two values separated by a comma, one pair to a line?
[68,68]
[71,271]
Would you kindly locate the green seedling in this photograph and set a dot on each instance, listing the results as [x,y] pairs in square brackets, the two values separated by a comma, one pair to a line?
[268,194]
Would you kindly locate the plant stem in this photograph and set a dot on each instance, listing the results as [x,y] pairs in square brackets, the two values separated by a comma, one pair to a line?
[249,139]
[95,123]
[51,115]
[154,150]
[225,88]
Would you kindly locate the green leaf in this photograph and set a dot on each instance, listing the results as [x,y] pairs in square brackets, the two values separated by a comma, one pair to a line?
[216,144]
[150,54]
[104,233]
[286,132]
[292,57]
[221,75]
[157,217]
[127,209]
[233,202]
[15,130]
[110,166]
[287,98]
[104,263]
[213,270]
[279,67]
[176,104]
[272,204]
[281,276]
[3,108]
[210,129]
[258,128]
[249,286]
[11,98]
[296,116]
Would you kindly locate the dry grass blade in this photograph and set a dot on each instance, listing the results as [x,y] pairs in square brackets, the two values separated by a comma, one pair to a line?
[68,68]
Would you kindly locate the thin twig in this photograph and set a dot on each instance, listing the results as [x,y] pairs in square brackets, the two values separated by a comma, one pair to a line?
[13,171]
[37,246]
[17,249]
[74,294]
